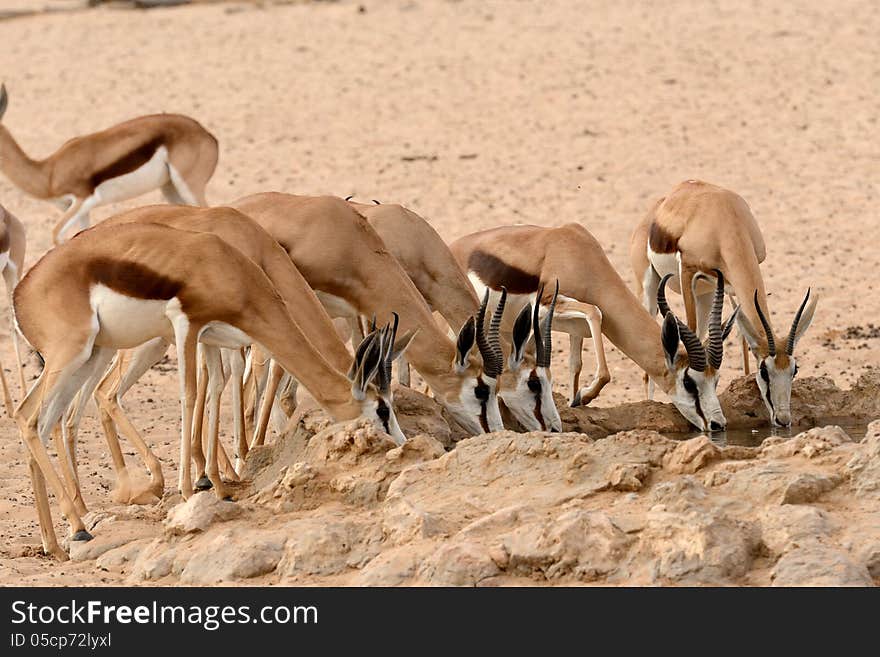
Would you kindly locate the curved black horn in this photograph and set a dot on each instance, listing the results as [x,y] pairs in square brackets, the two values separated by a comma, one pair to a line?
[547,329]
[792,334]
[715,343]
[388,355]
[349,197]
[540,357]
[695,351]
[493,361]
[771,343]
[494,337]
[662,306]
[728,325]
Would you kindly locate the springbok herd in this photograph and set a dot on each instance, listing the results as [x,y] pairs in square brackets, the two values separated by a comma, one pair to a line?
[247,293]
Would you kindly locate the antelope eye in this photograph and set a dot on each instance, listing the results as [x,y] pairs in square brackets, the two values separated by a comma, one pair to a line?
[383,411]
[764,373]
[689,384]
[481,391]
[534,385]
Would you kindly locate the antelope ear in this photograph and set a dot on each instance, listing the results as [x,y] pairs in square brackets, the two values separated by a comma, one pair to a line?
[403,343]
[747,330]
[467,336]
[366,368]
[806,318]
[359,355]
[4,100]
[670,337]
[522,328]
[728,325]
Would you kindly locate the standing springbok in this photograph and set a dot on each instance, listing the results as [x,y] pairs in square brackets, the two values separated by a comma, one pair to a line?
[349,266]
[12,251]
[115,288]
[526,259]
[698,228]
[170,152]
[524,387]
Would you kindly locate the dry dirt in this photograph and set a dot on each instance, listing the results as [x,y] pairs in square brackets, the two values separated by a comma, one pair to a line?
[476,114]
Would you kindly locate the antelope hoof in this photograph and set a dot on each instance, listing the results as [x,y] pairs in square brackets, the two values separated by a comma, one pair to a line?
[576,401]
[82,535]
[204,483]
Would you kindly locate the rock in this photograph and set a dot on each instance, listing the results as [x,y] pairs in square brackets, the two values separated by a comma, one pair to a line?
[393,567]
[154,562]
[697,547]
[122,555]
[691,455]
[871,559]
[419,414]
[113,535]
[582,544]
[460,563]
[818,565]
[785,527]
[403,522]
[806,488]
[811,444]
[628,476]
[233,554]
[318,546]
[680,494]
[863,469]
[200,512]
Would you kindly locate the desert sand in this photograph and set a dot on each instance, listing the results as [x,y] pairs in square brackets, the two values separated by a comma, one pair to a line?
[476,114]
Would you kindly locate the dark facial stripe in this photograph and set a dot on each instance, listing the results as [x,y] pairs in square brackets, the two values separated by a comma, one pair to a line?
[132,279]
[538,413]
[661,241]
[484,410]
[495,273]
[127,163]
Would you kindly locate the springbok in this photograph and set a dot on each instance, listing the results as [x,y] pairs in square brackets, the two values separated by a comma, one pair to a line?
[236,229]
[170,152]
[12,250]
[525,390]
[526,259]
[117,287]
[349,266]
[698,228]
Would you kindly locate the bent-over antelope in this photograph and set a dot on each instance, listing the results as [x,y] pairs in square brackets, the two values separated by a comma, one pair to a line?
[528,258]
[525,391]
[170,152]
[698,228]
[248,237]
[349,266]
[115,288]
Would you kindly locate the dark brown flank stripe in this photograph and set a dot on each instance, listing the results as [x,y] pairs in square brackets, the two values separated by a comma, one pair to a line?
[494,273]
[127,163]
[4,241]
[132,279]
[661,241]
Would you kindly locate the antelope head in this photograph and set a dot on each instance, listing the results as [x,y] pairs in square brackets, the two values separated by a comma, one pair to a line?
[777,369]
[475,407]
[530,395]
[370,377]
[696,371]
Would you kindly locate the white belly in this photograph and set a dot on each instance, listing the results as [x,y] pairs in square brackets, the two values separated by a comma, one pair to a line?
[514,305]
[149,176]
[125,322]
[336,306]
[664,264]
[220,334]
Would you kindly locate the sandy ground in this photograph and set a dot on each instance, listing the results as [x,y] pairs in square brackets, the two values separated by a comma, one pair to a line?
[476,114]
